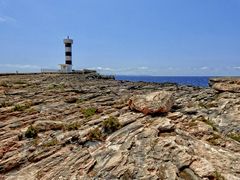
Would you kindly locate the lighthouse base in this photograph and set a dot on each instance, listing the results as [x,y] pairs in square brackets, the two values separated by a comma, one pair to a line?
[65,68]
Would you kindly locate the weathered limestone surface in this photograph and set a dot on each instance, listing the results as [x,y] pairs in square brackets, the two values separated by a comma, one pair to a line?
[198,136]
[226,84]
[152,103]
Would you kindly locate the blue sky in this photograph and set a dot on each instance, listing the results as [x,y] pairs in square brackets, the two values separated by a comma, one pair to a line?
[134,37]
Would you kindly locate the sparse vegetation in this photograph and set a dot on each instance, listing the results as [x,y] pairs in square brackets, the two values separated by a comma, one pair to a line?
[52,86]
[35,141]
[72,126]
[111,124]
[218,176]
[234,136]
[95,134]
[32,111]
[209,122]
[192,123]
[214,139]
[4,84]
[89,112]
[21,107]
[207,105]
[3,104]
[42,127]
[79,101]
[52,142]
[56,86]
[18,107]
[31,132]
[20,82]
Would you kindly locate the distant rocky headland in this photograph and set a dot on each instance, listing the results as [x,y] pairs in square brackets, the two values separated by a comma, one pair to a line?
[88,126]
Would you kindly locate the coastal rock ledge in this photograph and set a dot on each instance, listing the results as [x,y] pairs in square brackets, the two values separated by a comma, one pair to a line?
[70,126]
[230,84]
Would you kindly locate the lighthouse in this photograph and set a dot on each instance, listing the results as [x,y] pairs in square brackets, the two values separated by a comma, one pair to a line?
[67,67]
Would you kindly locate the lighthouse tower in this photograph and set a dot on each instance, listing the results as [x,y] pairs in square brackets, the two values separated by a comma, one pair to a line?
[67,67]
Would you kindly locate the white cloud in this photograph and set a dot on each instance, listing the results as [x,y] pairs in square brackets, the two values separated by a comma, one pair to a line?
[142,68]
[4,19]
[130,70]
[101,68]
[20,66]
[236,67]
[204,68]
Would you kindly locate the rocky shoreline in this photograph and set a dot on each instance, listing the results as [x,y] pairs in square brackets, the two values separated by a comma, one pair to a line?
[76,126]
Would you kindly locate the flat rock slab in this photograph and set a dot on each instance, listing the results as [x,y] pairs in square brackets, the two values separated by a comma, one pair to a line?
[152,103]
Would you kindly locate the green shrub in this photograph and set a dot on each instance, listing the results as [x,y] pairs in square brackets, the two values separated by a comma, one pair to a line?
[110,125]
[95,134]
[19,107]
[234,136]
[72,126]
[209,122]
[89,112]
[31,132]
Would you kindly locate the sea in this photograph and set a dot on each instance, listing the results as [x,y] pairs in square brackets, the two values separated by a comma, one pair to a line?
[201,81]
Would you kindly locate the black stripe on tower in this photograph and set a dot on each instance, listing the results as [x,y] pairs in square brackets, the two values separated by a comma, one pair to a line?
[68,53]
[68,45]
[68,62]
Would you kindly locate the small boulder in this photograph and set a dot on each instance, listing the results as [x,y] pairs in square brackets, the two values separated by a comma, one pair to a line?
[152,103]
[163,124]
[203,168]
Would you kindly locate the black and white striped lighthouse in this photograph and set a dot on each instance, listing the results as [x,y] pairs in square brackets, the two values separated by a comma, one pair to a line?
[68,50]
[67,67]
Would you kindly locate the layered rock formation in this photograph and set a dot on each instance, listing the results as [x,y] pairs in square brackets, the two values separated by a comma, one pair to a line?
[68,127]
[230,84]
